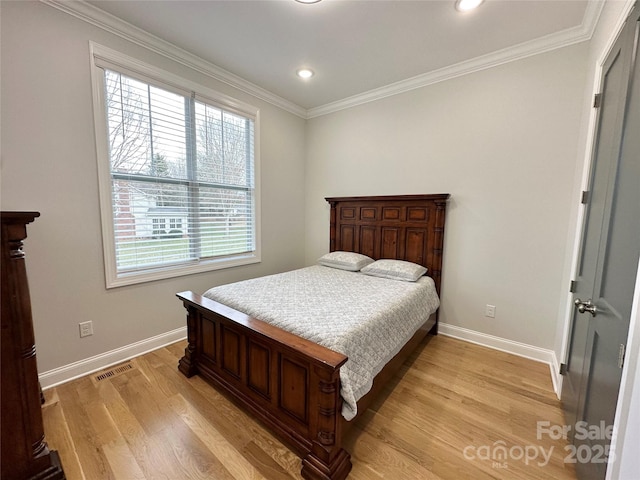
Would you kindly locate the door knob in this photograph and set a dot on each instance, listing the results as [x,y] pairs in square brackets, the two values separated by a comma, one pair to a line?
[586,307]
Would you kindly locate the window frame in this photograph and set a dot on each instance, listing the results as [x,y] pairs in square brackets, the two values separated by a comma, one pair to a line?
[104,57]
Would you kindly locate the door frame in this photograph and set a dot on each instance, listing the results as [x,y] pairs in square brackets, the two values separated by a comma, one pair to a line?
[627,410]
[631,373]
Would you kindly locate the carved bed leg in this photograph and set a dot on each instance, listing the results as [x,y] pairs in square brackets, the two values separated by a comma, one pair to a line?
[186,364]
[327,459]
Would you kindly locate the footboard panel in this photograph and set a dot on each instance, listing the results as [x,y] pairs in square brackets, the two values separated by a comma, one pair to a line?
[290,384]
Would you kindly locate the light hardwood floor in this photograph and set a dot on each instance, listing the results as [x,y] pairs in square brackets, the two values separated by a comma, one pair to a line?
[447,412]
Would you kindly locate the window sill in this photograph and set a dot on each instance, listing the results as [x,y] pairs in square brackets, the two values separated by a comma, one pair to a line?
[115,280]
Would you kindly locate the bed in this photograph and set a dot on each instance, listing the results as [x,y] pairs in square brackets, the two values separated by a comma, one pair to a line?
[293,384]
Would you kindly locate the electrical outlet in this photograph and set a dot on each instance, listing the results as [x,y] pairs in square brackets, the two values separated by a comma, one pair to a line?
[86,329]
[490,311]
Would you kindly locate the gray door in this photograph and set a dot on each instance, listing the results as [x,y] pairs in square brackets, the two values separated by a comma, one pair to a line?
[608,262]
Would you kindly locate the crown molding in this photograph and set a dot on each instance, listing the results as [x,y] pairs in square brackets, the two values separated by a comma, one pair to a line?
[544,44]
[101,19]
[112,24]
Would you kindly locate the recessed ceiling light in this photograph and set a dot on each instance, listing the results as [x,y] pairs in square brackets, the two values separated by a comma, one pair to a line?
[305,73]
[307,1]
[466,5]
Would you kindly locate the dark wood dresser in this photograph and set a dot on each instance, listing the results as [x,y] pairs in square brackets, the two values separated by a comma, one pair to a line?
[25,454]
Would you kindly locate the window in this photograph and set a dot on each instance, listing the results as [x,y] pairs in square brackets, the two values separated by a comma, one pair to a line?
[177,174]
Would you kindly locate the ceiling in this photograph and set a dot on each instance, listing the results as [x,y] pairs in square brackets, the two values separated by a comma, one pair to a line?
[356,48]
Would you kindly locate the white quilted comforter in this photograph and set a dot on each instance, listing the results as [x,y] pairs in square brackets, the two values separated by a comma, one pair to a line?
[366,318]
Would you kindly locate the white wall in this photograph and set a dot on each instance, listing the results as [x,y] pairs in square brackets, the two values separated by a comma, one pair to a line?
[503,142]
[627,420]
[49,165]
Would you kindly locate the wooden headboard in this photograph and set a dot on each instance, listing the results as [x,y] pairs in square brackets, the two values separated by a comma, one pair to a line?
[403,227]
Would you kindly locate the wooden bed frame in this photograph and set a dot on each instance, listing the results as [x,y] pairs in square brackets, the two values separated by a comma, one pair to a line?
[291,384]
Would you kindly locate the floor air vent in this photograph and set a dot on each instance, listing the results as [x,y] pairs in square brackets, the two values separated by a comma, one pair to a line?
[112,372]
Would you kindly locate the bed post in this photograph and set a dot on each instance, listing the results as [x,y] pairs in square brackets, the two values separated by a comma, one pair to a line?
[438,243]
[327,460]
[332,227]
[187,363]
[438,246]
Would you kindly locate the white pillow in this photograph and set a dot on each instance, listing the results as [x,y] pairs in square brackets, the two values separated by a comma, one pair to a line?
[395,270]
[345,260]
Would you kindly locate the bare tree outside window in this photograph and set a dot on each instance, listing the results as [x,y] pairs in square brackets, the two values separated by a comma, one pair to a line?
[223,140]
[168,206]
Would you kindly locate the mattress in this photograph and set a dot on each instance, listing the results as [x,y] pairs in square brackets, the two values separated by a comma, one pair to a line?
[368,319]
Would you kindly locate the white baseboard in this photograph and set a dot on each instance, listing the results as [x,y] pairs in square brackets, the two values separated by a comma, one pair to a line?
[509,346]
[84,367]
[556,378]
[89,365]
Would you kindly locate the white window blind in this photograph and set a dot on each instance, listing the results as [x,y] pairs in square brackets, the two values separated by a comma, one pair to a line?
[182,180]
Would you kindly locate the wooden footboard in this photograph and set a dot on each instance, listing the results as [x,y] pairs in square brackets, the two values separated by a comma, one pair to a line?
[287,382]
